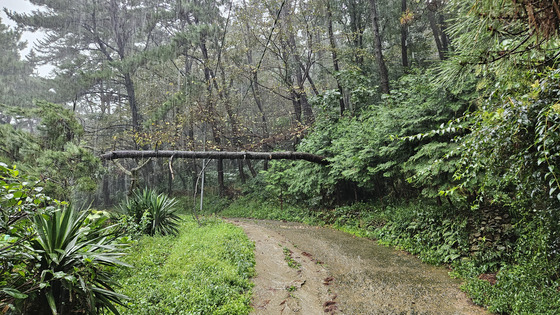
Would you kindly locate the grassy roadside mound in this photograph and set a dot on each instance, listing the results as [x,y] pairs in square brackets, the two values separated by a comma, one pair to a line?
[202,270]
[510,274]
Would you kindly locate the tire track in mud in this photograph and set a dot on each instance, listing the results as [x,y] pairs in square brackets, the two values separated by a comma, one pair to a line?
[343,274]
[279,288]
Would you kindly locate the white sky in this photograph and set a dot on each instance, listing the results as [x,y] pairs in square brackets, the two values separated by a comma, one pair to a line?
[23,6]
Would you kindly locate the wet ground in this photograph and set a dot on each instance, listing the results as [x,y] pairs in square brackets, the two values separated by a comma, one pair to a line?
[342,274]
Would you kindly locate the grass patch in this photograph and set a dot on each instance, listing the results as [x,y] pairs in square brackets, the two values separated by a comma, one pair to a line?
[203,270]
[289,259]
[248,207]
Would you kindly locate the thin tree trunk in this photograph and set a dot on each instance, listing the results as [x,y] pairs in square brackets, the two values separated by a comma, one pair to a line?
[404,35]
[383,73]
[439,37]
[106,191]
[256,91]
[242,175]
[129,85]
[444,38]
[357,32]
[335,57]
[251,168]
[221,186]
[435,32]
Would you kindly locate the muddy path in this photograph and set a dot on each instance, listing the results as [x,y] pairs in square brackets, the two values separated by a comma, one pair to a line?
[333,272]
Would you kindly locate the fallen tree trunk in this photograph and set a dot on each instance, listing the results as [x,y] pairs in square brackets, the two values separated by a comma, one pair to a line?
[286,155]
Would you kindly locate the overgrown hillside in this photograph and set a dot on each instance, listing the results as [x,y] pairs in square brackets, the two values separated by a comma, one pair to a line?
[459,172]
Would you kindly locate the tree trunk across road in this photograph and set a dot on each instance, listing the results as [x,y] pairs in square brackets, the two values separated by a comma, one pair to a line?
[245,155]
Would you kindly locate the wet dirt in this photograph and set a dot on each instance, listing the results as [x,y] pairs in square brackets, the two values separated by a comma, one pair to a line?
[338,273]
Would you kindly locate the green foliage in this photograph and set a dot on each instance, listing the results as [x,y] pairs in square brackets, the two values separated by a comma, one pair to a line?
[58,126]
[528,285]
[498,39]
[73,167]
[150,213]
[54,259]
[257,208]
[204,270]
[20,199]
[366,162]
[290,259]
[509,157]
[54,153]
[73,264]
[16,145]
[436,235]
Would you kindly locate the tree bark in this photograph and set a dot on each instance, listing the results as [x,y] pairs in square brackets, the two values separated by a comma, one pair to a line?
[404,35]
[251,168]
[383,73]
[436,31]
[221,184]
[335,57]
[242,174]
[106,191]
[357,31]
[285,155]
[129,85]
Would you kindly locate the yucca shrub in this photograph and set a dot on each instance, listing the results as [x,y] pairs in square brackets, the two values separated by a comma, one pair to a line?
[73,265]
[147,212]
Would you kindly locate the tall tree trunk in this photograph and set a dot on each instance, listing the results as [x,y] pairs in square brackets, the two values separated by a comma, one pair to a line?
[436,32]
[356,28]
[129,85]
[216,134]
[404,35]
[383,73]
[335,57]
[256,91]
[302,97]
[444,37]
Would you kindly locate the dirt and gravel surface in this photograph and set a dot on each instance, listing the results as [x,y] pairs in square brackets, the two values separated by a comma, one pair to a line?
[333,272]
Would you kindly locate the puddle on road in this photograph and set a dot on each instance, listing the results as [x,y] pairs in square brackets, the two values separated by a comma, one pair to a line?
[373,279]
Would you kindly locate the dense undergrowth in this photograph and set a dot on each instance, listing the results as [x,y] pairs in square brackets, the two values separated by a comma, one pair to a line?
[203,270]
[59,259]
[509,276]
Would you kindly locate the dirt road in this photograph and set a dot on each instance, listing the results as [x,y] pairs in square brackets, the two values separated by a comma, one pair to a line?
[312,270]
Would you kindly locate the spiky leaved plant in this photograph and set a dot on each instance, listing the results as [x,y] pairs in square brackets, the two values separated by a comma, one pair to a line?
[74,265]
[152,213]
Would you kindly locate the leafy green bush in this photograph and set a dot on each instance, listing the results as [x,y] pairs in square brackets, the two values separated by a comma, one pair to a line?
[436,234]
[203,270]
[21,198]
[366,162]
[149,213]
[251,207]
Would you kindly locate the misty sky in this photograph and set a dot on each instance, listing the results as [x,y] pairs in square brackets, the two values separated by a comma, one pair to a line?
[22,6]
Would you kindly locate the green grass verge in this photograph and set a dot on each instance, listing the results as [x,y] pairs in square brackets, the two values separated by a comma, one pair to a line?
[203,270]
[247,207]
